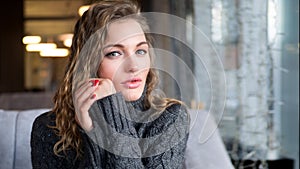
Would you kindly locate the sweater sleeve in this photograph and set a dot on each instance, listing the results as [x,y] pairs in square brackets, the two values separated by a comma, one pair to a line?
[42,142]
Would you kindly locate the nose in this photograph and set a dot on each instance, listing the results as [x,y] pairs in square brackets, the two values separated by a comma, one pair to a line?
[132,64]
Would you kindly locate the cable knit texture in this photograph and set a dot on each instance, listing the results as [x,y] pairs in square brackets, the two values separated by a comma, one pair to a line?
[125,135]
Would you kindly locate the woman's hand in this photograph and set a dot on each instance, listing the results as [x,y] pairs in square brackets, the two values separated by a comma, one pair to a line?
[86,95]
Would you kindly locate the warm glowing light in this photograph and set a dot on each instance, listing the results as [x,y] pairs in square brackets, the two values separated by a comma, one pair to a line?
[58,52]
[31,39]
[82,9]
[40,46]
[68,42]
[66,38]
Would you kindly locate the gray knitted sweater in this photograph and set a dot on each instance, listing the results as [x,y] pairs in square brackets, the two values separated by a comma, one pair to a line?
[125,135]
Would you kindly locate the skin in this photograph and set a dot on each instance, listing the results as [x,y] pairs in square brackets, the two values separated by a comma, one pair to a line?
[124,68]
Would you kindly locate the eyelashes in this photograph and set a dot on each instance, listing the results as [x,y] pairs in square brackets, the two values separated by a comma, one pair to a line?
[141,52]
[115,54]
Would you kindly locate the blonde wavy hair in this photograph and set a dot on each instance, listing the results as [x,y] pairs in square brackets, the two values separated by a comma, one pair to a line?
[89,34]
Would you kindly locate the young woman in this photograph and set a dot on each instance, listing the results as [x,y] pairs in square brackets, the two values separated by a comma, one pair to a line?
[106,114]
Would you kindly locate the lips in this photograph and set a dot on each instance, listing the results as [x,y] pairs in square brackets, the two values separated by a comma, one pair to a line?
[132,83]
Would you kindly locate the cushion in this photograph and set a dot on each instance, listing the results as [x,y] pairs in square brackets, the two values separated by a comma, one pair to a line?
[205,148]
[7,141]
[24,125]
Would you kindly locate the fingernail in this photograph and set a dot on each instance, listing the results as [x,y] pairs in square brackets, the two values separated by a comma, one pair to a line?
[93,96]
[95,82]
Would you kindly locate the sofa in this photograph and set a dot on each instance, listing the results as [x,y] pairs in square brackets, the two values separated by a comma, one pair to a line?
[15,129]
[205,148]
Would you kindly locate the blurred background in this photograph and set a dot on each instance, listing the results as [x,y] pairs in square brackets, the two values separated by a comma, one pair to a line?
[257,43]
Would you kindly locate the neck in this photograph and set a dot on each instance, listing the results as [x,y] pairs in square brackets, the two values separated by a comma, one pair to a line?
[140,102]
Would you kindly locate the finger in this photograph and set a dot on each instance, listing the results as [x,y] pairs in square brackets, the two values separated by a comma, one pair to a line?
[105,88]
[107,85]
[82,88]
[95,81]
[87,87]
[84,116]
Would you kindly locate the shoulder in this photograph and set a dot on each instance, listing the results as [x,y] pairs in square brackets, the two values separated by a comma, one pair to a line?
[44,120]
[175,112]
[43,140]
[177,109]
[178,113]
[41,127]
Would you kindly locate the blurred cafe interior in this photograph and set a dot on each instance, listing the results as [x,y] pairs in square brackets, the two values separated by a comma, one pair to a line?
[247,66]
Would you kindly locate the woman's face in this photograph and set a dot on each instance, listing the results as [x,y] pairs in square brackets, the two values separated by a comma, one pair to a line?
[126,59]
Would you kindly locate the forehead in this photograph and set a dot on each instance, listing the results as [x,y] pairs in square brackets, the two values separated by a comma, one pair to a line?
[123,30]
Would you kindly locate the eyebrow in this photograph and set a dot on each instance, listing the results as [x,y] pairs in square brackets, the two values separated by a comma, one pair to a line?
[122,46]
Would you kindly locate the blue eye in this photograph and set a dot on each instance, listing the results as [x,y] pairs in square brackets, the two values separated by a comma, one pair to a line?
[113,54]
[141,52]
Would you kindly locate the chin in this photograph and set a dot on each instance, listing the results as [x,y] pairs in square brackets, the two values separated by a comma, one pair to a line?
[131,95]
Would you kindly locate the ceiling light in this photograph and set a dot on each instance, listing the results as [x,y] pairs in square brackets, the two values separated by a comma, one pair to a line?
[68,42]
[31,39]
[66,38]
[58,52]
[40,46]
[82,9]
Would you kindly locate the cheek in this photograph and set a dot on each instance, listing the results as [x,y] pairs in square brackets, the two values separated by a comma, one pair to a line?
[145,63]
[107,70]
